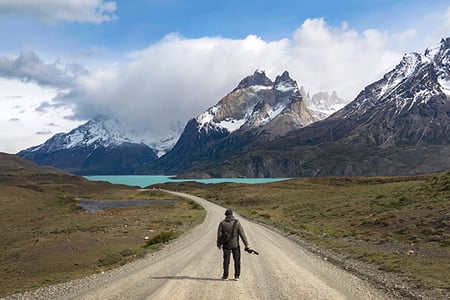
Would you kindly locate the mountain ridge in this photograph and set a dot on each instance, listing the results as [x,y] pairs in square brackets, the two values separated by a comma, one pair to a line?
[265,128]
[98,147]
[399,125]
[258,106]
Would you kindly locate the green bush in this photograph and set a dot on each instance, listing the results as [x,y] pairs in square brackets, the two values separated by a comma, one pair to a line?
[126,252]
[162,237]
[195,205]
[110,259]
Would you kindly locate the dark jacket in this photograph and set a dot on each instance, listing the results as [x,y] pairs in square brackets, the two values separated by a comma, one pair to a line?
[226,226]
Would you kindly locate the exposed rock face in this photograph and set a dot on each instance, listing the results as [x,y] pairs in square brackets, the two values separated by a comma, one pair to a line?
[408,106]
[258,78]
[398,125]
[256,108]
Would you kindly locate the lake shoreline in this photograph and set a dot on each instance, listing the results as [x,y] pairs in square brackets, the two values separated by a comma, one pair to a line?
[147,180]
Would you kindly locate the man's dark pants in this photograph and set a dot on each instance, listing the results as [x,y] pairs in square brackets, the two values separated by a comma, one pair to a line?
[237,261]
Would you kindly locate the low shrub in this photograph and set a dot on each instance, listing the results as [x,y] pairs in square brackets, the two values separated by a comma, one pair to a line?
[161,238]
[110,260]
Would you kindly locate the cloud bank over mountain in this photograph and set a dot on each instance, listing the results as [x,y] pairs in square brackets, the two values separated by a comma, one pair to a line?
[178,77]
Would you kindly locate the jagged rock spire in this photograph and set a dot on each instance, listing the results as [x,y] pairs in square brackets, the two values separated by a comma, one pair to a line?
[258,78]
[284,83]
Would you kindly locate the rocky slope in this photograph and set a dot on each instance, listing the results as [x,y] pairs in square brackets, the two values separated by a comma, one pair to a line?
[397,125]
[257,108]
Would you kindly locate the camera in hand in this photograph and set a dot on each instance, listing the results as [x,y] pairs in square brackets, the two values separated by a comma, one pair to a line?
[251,251]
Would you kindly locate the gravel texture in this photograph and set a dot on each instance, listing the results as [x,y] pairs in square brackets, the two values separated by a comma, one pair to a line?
[191,268]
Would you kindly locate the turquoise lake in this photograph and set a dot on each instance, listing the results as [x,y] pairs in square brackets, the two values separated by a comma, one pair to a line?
[145,180]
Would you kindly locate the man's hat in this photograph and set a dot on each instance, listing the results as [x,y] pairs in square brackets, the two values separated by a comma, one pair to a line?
[228,212]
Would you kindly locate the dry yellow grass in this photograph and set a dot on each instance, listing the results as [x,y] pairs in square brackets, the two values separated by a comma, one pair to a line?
[400,224]
[46,238]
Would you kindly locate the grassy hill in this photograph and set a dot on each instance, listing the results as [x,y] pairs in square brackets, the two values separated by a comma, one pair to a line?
[396,225]
[47,238]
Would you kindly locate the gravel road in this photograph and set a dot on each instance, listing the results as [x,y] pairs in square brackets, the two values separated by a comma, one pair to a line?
[191,268]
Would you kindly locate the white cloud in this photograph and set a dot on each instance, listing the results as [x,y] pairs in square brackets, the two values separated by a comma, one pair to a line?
[19,119]
[324,58]
[177,78]
[173,80]
[90,11]
[28,66]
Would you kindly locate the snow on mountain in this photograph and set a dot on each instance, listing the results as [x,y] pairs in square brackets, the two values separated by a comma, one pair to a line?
[257,109]
[254,103]
[162,142]
[100,131]
[285,86]
[103,131]
[398,125]
[410,105]
[445,86]
[414,81]
[101,146]
[325,102]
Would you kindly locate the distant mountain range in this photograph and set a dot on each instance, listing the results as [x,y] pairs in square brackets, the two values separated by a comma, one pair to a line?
[256,109]
[325,102]
[104,145]
[101,146]
[398,125]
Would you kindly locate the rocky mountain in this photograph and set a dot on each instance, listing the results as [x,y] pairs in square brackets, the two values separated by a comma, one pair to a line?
[409,106]
[396,126]
[325,102]
[100,146]
[257,108]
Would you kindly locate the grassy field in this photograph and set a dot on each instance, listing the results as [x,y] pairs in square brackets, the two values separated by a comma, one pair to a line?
[47,238]
[399,224]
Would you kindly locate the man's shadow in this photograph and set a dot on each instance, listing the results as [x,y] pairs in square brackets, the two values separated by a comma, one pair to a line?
[186,278]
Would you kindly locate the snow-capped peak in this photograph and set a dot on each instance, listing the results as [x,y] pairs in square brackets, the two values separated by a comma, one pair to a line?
[324,103]
[416,80]
[431,52]
[258,78]
[103,131]
[255,102]
[100,131]
[284,87]
[284,83]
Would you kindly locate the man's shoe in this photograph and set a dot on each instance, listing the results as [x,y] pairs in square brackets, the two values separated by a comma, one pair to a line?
[236,278]
[224,278]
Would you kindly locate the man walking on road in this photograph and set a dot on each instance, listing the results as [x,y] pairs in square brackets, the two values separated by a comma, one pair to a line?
[233,228]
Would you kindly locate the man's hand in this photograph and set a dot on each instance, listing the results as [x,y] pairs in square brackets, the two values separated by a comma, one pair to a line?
[250,251]
[219,246]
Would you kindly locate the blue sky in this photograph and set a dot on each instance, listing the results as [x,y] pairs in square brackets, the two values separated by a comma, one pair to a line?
[139,23]
[153,63]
